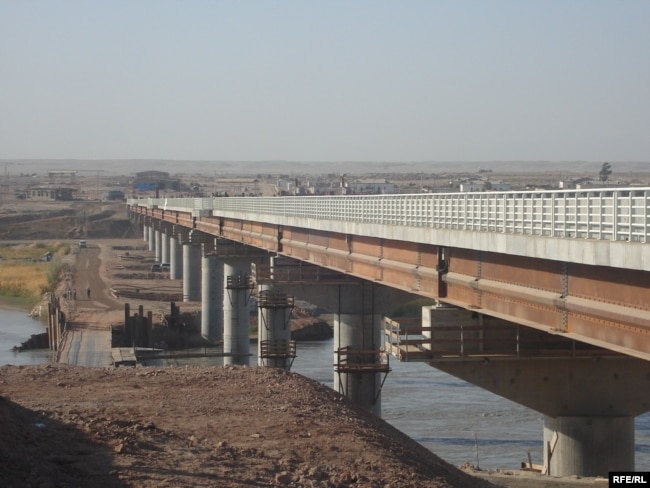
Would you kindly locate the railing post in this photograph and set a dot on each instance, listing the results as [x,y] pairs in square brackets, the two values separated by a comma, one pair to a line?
[645,217]
[615,215]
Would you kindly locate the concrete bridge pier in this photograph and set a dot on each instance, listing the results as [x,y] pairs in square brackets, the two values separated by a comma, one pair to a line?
[175,258]
[164,246]
[275,349]
[152,238]
[145,233]
[157,243]
[212,294]
[191,272]
[589,404]
[236,313]
[587,444]
[359,365]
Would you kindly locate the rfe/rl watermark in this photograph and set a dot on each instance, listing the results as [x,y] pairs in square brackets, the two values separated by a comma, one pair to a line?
[627,478]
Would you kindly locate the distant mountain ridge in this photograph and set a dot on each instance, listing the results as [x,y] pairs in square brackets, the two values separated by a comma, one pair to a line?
[130,166]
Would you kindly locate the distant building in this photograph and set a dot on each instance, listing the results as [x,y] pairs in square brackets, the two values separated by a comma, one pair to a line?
[58,176]
[285,187]
[114,195]
[48,193]
[471,186]
[152,180]
[480,185]
[152,175]
[501,186]
[580,184]
[371,187]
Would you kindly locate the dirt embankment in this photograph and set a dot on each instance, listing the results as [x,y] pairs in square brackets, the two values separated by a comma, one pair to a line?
[212,427]
[65,220]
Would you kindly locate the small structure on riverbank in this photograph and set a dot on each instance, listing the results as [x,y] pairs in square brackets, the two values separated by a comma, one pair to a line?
[36,341]
[56,322]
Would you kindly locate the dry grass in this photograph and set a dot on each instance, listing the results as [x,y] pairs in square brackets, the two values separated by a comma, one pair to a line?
[24,273]
[30,252]
[28,280]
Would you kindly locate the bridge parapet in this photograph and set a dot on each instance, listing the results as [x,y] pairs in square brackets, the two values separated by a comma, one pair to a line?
[604,227]
[621,214]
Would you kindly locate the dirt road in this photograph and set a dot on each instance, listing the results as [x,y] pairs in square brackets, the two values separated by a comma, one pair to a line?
[90,315]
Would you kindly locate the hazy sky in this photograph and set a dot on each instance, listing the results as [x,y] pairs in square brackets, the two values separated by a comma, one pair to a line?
[325,80]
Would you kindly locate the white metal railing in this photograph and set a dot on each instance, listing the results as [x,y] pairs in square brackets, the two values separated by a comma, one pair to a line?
[621,214]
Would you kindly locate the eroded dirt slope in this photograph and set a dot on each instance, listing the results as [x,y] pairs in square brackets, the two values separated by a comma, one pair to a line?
[201,427]
[61,220]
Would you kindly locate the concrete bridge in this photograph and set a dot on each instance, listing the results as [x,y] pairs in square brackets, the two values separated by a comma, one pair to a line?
[542,297]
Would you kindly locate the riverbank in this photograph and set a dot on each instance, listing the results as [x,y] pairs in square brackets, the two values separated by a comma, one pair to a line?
[15,303]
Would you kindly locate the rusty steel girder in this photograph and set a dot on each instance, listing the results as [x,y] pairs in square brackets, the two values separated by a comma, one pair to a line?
[606,307]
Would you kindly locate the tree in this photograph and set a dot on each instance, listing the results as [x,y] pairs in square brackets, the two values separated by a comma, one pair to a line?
[605,171]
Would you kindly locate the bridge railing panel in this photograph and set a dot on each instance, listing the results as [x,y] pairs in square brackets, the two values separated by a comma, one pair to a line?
[605,214]
[639,216]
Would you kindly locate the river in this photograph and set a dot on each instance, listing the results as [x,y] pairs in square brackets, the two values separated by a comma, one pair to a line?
[453,418]
[456,420]
[15,328]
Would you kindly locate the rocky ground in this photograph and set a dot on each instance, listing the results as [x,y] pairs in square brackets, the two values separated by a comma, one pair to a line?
[233,426]
[70,426]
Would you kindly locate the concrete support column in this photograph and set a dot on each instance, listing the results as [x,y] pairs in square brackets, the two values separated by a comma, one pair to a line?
[588,446]
[157,242]
[589,403]
[164,248]
[212,298]
[191,273]
[145,233]
[357,330]
[175,259]
[152,239]
[236,315]
[274,346]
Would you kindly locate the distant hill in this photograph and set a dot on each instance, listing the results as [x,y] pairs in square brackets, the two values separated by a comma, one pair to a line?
[130,166]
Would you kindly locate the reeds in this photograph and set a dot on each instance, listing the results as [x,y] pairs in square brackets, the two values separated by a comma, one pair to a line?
[25,280]
[26,274]
[33,251]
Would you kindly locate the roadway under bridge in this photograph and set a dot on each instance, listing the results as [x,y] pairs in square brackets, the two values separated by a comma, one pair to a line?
[540,297]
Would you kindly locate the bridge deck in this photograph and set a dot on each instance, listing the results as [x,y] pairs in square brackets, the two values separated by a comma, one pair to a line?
[574,263]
